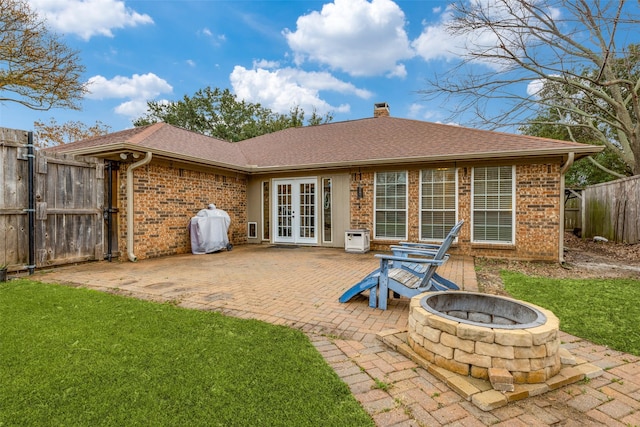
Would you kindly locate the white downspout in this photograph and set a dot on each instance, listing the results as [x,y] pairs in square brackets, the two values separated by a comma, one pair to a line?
[130,210]
[563,170]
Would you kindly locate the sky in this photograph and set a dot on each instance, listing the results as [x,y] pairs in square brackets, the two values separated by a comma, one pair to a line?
[338,57]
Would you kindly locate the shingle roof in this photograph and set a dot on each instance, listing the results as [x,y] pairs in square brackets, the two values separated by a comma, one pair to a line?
[164,139]
[386,138]
[365,141]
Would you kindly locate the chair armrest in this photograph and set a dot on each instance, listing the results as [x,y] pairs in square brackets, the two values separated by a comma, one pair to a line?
[420,245]
[395,248]
[400,251]
[418,260]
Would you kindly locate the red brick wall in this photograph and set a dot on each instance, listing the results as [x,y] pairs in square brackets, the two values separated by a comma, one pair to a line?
[361,200]
[537,207]
[166,198]
[538,211]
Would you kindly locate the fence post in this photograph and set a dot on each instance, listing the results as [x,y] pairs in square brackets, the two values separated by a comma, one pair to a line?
[32,205]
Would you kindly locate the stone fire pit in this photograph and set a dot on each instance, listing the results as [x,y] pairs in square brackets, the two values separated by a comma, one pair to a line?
[491,350]
[487,337]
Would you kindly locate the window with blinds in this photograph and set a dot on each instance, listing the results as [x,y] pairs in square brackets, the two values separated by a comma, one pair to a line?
[438,202]
[493,196]
[390,220]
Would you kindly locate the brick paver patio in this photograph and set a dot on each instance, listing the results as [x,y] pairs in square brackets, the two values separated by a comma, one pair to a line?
[299,287]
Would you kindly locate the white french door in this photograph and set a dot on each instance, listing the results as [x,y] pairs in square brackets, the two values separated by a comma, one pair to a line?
[295,211]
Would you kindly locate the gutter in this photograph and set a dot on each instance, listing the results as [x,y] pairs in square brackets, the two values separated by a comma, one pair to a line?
[252,169]
[563,170]
[130,210]
[568,163]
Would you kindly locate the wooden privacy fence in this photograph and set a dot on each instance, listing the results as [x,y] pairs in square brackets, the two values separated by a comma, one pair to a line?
[67,195]
[612,210]
[572,209]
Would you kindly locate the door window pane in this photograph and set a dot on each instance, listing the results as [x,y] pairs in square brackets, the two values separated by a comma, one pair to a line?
[284,210]
[307,209]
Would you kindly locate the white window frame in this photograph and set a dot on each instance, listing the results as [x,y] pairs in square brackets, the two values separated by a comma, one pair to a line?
[421,208]
[513,208]
[406,206]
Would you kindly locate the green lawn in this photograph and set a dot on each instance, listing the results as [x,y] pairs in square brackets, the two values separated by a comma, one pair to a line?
[604,311]
[77,357]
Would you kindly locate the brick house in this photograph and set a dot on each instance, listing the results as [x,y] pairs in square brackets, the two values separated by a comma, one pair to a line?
[401,179]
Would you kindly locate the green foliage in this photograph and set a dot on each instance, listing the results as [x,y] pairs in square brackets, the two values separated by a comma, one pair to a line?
[583,172]
[79,357]
[218,113]
[381,385]
[600,105]
[603,311]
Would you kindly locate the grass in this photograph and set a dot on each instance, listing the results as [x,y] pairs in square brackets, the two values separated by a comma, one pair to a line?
[603,311]
[80,357]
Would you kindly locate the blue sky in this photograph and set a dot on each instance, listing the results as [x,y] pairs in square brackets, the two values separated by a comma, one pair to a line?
[339,57]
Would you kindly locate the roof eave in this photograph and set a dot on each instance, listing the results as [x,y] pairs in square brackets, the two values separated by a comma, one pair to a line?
[112,150]
[579,153]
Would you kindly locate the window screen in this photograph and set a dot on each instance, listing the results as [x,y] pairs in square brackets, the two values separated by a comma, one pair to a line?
[493,196]
[437,202]
[391,205]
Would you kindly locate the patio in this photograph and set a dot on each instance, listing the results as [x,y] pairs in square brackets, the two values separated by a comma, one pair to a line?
[299,287]
[293,286]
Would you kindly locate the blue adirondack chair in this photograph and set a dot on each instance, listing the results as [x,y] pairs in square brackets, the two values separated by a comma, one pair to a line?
[410,270]
[426,248]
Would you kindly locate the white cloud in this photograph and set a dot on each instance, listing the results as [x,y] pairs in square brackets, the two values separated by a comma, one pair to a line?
[282,89]
[359,37]
[420,112]
[134,108]
[88,18]
[145,86]
[263,63]
[217,40]
[534,87]
[138,89]
[191,62]
[436,42]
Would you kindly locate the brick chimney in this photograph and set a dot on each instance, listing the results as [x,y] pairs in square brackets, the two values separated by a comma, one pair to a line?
[381,110]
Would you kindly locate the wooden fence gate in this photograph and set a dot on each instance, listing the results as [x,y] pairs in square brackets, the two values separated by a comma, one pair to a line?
[67,209]
[572,209]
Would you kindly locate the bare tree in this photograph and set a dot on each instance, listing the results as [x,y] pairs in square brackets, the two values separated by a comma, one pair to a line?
[37,70]
[53,133]
[575,58]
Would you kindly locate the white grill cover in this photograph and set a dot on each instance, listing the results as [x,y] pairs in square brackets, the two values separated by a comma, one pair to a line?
[209,230]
